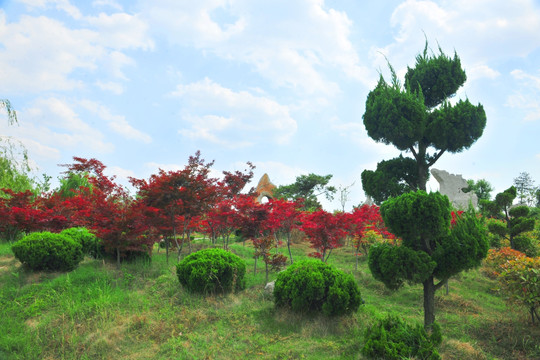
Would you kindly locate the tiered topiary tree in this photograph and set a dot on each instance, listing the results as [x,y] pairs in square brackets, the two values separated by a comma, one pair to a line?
[418,118]
[430,248]
[516,220]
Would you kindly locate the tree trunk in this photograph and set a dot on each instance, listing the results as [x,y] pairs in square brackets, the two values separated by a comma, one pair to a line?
[167,249]
[289,246]
[118,257]
[429,303]
[422,166]
[266,281]
[255,267]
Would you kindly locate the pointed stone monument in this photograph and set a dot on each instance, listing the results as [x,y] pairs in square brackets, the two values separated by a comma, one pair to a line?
[265,188]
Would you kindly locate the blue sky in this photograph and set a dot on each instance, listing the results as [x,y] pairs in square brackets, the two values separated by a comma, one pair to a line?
[142,85]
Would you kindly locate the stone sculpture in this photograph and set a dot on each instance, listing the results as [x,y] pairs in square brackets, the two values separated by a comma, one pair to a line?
[264,188]
[452,186]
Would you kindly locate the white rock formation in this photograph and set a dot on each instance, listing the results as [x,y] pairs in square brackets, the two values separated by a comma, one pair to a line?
[452,186]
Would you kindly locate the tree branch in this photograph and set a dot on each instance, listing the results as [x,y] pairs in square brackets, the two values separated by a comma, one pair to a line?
[440,284]
[436,157]
[414,153]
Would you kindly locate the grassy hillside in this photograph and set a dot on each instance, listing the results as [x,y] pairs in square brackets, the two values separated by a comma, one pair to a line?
[141,312]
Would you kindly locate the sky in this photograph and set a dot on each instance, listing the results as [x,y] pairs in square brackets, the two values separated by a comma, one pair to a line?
[142,85]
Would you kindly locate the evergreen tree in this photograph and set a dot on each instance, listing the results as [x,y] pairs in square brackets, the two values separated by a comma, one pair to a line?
[431,247]
[515,217]
[307,187]
[525,188]
[419,119]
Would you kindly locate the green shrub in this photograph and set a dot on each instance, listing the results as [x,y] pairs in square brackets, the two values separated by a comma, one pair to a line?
[48,251]
[526,244]
[392,338]
[212,271]
[89,242]
[314,286]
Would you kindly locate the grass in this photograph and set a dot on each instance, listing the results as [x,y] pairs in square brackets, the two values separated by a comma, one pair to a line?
[140,311]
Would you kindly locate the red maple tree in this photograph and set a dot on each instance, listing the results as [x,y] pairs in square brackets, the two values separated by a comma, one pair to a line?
[324,232]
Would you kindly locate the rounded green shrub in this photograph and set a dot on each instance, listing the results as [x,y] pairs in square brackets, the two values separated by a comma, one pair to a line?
[391,338]
[48,251]
[526,245]
[314,286]
[212,271]
[89,242]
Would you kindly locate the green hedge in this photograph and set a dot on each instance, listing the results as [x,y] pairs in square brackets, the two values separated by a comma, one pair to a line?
[48,251]
[314,286]
[212,271]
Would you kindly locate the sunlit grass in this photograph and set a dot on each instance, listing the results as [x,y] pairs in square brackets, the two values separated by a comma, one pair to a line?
[140,311]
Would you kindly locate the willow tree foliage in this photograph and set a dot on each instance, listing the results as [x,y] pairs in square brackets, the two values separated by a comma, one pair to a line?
[419,119]
[14,167]
[431,247]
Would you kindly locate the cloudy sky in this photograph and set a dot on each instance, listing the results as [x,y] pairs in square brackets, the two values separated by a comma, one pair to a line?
[142,85]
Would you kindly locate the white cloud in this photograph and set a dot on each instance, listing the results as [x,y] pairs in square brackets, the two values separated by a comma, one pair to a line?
[117,123]
[40,53]
[120,173]
[221,115]
[154,167]
[484,30]
[278,172]
[481,71]
[293,44]
[107,3]
[62,5]
[121,31]
[114,87]
[527,95]
[52,125]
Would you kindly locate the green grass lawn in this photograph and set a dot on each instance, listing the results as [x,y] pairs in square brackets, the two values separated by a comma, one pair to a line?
[140,311]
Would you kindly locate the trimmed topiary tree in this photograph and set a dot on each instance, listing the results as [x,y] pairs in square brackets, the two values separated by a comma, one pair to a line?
[212,271]
[314,286]
[89,242]
[391,338]
[48,251]
[431,248]
[516,220]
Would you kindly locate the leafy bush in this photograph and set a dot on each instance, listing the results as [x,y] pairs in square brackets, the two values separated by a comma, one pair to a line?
[89,242]
[48,251]
[520,281]
[314,286]
[392,338]
[496,259]
[212,271]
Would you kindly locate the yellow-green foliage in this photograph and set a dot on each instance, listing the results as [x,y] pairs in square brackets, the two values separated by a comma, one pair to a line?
[497,258]
[520,281]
